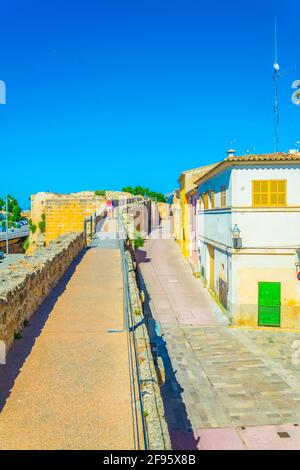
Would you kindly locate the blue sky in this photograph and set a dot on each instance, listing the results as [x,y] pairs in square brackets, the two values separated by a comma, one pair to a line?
[104,94]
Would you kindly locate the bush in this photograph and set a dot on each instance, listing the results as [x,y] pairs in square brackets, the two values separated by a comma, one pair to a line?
[42,223]
[138,241]
[32,227]
[100,192]
[26,244]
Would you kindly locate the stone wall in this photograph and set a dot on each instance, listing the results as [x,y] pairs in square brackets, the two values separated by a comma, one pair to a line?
[157,429]
[25,285]
[63,213]
[141,217]
[67,215]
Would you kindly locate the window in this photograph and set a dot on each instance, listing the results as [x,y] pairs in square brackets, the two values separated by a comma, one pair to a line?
[223,196]
[212,198]
[270,193]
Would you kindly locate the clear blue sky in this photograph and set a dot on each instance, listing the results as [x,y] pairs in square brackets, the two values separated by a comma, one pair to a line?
[102,94]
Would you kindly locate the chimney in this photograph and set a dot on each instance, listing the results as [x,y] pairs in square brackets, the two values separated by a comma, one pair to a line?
[230,153]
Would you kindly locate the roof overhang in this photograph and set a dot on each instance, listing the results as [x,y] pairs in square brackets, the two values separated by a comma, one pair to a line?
[250,160]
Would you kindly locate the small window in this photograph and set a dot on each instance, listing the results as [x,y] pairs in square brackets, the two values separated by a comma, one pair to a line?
[212,198]
[223,196]
[269,193]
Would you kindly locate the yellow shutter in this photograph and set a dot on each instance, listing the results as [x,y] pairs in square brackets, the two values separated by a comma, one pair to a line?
[205,195]
[212,198]
[269,193]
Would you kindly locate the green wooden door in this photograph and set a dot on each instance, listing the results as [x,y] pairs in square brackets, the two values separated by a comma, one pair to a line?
[269,294]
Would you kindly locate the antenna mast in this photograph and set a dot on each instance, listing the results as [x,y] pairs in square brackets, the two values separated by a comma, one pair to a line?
[276,83]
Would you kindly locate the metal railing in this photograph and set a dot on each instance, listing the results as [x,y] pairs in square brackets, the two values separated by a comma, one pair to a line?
[16,233]
[138,412]
[90,227]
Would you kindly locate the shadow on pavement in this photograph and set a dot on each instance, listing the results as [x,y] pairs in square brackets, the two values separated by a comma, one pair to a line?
[21,348]
[179,425]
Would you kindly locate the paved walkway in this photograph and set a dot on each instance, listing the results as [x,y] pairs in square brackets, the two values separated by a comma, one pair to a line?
[10,259]
[224,387]
[72,390]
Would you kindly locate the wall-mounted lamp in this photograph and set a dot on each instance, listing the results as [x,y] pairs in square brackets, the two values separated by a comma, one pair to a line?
[297,261]
[236,239]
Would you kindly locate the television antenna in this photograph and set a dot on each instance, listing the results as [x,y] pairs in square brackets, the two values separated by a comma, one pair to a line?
[276,86]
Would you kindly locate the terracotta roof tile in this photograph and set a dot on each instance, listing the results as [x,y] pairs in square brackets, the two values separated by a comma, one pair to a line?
[279,156]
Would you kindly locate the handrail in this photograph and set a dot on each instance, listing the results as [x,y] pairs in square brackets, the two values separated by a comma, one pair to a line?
[129,326]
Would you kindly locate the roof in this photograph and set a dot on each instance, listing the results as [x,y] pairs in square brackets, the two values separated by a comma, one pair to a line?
[279,156]
[200,169]
[265,157]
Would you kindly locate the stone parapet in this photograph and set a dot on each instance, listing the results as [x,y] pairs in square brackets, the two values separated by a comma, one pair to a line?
[26,284]
[157,429]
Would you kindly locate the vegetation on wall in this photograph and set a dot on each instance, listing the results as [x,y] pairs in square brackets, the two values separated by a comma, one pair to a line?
[145,192]
[32,226]
[26,244]
[42,223]
[100,192]
[139,240]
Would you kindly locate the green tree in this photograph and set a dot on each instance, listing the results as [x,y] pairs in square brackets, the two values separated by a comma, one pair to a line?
[145,192]
[128,189]
[14,210]
[16,213]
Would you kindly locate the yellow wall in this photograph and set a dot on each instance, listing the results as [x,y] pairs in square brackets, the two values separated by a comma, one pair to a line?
[176,209]
[67,215]
[187,182]
[185,229]
[164,210]
[64,213]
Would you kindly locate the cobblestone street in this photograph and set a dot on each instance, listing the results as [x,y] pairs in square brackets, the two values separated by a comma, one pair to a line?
[233,377]
[224,387]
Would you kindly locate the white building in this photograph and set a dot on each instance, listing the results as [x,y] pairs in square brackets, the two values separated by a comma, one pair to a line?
[249,237]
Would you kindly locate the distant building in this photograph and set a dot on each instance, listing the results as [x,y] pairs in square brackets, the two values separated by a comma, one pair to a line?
[248,237]
[176,216]
[187,182]
[169,197]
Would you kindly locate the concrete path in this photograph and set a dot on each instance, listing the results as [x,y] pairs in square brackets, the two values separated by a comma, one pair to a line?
[73,390]
[224,388]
